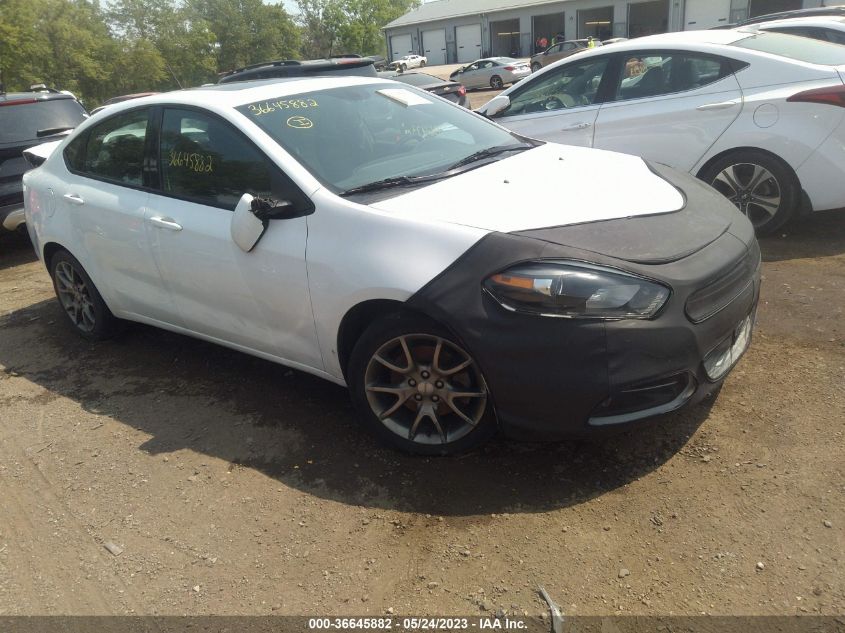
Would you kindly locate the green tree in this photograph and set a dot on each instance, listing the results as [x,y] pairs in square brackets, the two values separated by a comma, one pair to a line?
[246,31]
[331,27]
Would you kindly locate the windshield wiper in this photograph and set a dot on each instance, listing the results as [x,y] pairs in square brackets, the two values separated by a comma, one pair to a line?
[490,152]
[388,183]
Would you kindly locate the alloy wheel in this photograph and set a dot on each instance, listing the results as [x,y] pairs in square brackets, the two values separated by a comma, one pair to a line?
[753,189]
[75,297]
[425,389]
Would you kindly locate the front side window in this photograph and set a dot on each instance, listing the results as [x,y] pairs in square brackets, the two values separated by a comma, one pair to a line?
[653,74]
[356,135]
[114,149]
[205,160]
[566,87]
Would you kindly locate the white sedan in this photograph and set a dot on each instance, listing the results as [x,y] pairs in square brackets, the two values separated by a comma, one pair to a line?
[409,61]
[757,115]
[457,277]
[825,28]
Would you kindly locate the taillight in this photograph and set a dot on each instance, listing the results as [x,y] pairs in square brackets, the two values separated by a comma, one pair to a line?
[510,68]
[462,91]
[829,95]
[18,102]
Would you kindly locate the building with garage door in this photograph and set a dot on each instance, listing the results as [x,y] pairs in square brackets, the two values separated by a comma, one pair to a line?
[461,31]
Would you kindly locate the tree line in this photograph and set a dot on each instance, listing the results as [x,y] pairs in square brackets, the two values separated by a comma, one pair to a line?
[98,51]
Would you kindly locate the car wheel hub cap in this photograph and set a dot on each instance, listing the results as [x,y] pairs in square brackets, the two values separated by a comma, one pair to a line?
[75,297]
[425,389]
[752,188]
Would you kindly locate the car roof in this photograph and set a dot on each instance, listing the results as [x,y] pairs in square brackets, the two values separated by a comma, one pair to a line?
[293,67]
[38,95]
[820,20]
[796,13]
[234,94]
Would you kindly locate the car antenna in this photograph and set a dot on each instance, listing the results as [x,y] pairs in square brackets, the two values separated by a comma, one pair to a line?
[175,78]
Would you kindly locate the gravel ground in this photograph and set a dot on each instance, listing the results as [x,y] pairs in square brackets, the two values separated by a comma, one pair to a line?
[156,474]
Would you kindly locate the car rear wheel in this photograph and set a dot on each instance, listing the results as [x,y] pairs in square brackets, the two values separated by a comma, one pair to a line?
[496,82]
[422,63]
[764,188]
[85,309]
[419,390]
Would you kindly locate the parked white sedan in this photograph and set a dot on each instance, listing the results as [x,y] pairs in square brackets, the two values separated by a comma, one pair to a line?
[825,28]
[457,277]
[407,62]
[757,115]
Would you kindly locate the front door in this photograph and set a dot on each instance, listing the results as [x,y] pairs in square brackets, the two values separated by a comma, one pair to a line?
[560,106]
[257,300]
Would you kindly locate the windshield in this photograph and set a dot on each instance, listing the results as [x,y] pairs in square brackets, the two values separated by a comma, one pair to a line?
[356,135]
[802,49]
[21,122]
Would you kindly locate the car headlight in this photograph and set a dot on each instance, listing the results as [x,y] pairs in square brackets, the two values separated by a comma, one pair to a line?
[576,290]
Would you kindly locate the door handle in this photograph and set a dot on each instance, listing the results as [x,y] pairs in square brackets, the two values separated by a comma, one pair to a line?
[724,105]
[165,223]
[576,126]
[74,199]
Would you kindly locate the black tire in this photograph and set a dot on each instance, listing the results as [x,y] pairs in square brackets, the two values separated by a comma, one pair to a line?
[417,387]
[496,82]
[422,63]
[81,302]
[755,181]
[535,67]
[403,68]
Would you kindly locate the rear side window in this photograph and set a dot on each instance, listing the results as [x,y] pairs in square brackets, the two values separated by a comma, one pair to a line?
[203,159]
[802,49]
[655,74]
[24,121]
[112,150]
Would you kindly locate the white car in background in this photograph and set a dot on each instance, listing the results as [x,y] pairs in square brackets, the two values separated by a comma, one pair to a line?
[407,62]
[825,28]
[759,116]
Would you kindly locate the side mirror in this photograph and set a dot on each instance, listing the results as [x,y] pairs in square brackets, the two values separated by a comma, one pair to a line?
[252,217]
[496,105]
[246,229]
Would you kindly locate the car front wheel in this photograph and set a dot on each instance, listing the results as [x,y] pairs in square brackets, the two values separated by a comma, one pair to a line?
[761,186]
[85,309]
[535,67]
[417,389]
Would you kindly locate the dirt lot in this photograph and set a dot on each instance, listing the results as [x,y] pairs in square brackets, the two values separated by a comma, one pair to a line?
[233,486]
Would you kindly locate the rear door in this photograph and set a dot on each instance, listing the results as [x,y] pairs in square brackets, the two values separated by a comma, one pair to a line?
[561,104]
[669,106]
[105,198]
[257,300]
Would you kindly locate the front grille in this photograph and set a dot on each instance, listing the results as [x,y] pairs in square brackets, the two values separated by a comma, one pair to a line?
[714,297]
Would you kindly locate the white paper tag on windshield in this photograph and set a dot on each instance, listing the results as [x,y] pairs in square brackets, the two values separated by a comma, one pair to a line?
[403,96]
